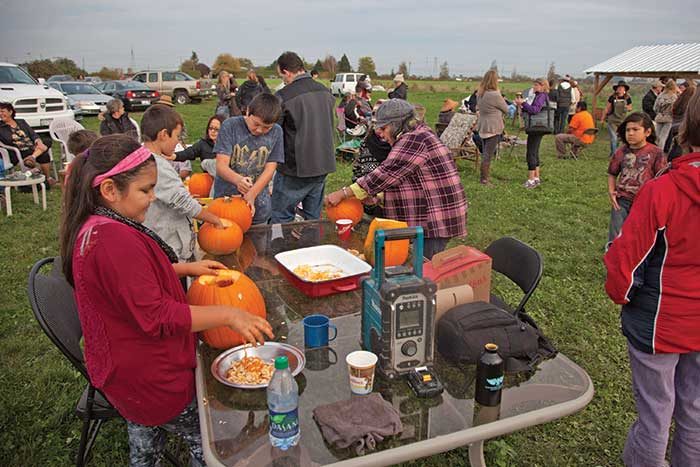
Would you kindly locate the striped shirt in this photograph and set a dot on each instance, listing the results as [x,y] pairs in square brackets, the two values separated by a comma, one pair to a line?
[421,185]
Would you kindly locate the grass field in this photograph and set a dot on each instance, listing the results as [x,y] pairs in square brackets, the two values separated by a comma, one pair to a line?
[566,219]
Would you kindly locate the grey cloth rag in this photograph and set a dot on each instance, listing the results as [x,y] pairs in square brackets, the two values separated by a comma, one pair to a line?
[393,110]
[359,422]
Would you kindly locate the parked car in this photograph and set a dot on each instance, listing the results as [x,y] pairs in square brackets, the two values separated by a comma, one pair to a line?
[344,82]
[83,98]
[35,103]
[134,94]
[93,79]
[180,86]
[54,78]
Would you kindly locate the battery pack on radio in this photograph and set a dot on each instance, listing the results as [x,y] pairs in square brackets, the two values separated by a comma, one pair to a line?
[398,308]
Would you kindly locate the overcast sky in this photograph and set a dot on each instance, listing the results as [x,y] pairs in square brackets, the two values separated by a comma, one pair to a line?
[468,34]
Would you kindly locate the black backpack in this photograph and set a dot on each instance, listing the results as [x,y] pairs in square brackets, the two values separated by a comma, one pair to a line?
[463,331]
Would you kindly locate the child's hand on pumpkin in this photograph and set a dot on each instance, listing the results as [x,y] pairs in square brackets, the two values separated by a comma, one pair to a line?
[253,328]
[206,266]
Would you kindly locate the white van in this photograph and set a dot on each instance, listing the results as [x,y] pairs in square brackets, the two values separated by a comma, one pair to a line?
[344,82]
[34,103]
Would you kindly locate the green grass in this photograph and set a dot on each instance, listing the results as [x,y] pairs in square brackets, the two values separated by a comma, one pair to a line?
[565,219]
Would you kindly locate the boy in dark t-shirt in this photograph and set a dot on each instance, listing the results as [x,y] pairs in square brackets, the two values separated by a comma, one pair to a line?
[248,150]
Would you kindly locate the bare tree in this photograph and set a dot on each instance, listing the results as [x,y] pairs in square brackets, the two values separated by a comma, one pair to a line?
[552,72]
[444,71]
[403,69]
[330,64]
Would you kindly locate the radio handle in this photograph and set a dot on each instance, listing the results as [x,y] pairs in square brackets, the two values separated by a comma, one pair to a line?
[414,234]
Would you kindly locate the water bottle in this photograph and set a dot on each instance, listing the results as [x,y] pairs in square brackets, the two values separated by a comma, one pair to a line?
[283,403]
[489,377]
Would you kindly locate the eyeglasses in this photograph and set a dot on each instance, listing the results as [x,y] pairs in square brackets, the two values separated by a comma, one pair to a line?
[213,128]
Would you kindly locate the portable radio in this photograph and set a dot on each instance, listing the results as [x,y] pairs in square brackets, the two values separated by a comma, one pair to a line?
[398,308]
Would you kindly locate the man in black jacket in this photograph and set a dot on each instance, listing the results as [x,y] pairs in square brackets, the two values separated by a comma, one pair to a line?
[307,123]
[563,98]
[650,98]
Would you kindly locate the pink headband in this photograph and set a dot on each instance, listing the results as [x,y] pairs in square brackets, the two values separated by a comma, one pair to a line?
[134,159]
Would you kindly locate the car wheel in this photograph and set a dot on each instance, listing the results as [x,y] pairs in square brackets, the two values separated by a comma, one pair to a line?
[182,98]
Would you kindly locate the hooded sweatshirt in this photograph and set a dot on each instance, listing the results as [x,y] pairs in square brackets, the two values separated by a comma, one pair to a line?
[654,265]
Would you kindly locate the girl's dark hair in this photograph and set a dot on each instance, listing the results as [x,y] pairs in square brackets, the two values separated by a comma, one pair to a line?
[10,107]
[689,131]
[637,117]
[211,119]
[80,199]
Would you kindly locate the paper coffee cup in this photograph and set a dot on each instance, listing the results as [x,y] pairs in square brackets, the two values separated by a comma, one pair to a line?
[344,228]
[361,366]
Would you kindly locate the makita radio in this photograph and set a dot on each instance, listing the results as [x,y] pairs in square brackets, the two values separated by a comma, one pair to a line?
[398,308]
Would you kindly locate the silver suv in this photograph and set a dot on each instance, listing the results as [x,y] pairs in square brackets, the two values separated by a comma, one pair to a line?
[180,86]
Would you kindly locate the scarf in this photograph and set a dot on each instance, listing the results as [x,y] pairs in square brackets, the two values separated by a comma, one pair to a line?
[110,214]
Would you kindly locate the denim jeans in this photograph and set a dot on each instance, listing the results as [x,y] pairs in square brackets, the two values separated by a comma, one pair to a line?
[612,132]
[617,217]
[288,191]
[666,387]
[560,119]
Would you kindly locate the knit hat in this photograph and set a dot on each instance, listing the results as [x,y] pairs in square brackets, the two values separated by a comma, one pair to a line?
[393,110]
[399,78]
[448,105]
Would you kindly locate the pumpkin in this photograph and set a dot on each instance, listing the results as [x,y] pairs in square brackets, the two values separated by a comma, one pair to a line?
[200,184]
[220,241]
[350,208]
[395,251]
[233,208]
[227,288]
[246,254]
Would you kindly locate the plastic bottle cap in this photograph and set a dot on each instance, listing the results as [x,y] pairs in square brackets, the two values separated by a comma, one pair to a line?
[491,347]
[281,363]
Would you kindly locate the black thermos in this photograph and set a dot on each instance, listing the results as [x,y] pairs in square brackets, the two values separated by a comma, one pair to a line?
[489,377]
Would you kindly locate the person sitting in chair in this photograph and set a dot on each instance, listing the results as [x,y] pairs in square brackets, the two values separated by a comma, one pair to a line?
[581,132]
[353,116]
[117,121]
[447,111]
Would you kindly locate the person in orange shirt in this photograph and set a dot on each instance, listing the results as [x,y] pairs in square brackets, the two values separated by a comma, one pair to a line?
[576,137]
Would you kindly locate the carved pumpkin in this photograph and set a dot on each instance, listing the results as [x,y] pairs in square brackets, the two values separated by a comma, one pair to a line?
[227,288]
[350,208]
[395,251]
[220,241]
[233,208]
[200,184]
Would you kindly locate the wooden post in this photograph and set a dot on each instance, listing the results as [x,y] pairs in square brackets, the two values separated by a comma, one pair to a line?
[595,97]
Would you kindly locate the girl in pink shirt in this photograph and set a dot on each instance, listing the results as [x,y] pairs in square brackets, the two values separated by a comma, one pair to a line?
[139,330]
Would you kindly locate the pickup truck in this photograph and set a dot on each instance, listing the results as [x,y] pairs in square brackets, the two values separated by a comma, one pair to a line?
[180,86]
[37,104]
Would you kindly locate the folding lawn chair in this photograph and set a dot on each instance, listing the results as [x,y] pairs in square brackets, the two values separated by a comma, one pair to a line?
[576,154]
[520,263]
[458,137]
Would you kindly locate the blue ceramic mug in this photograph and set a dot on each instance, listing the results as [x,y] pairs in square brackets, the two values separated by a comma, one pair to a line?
[316,331]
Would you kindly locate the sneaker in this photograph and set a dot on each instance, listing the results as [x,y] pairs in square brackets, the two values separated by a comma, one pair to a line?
[537,181]
[530,184]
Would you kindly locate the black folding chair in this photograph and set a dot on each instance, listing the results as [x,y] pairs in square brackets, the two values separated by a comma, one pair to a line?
[520,263]
[53,304]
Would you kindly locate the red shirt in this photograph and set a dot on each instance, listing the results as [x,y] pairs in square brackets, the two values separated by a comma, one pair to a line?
[136,322]
[634,167]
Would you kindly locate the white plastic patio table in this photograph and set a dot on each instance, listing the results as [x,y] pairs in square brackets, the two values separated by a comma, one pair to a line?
[33,181]
[234,421]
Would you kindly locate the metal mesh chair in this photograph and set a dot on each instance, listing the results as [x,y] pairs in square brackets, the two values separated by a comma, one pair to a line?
[520,263]
[51,299]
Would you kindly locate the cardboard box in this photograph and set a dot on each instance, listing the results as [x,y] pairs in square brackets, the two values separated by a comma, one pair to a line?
[461,265]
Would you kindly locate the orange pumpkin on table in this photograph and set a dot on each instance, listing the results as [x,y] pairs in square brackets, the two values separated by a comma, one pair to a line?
[395,251]
[350,208]
[227,288]
[233,208]
[200,184]
[220,241]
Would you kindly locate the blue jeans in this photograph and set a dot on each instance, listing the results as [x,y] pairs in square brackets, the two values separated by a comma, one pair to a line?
[263,203]
[288,191]
[617,217]
[560,119]
[612,132]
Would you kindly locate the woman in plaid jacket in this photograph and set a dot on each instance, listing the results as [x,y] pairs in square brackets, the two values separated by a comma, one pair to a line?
[419,178]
